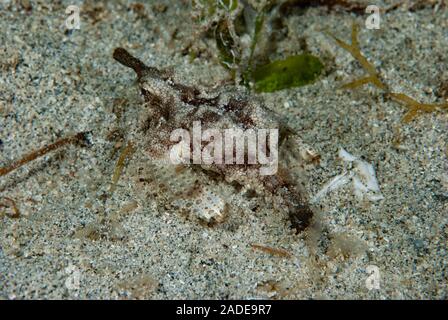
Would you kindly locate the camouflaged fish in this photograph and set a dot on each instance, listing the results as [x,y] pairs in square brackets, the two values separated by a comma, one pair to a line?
[175,111]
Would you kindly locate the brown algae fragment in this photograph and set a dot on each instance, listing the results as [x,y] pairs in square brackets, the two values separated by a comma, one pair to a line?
[414,106]
[43,151]
[125,154]
[355,51]
[272,251]
[10,206]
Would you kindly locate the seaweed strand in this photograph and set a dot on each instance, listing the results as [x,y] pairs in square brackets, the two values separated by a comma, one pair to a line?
[125,153]
[6,202]
[272,251]
[414,106]
[41,152]
[355,51]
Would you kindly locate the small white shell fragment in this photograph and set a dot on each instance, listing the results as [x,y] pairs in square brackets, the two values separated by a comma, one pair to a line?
[366,182]
[345,156]
[331,185]
[363,179]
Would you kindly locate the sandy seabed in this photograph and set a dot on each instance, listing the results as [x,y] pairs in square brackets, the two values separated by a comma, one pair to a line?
[55,83]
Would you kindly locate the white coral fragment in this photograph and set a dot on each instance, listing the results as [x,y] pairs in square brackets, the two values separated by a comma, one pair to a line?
[345,156]
[333,184]
[365,182]
[363,178]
